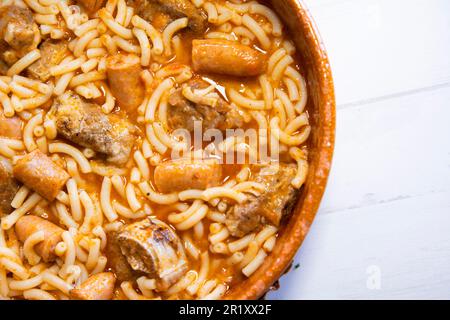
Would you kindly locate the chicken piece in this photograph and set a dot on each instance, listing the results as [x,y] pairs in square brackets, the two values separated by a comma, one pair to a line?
[52,53]
[10,127]
[99,286]
[117,261]
[183,174]
[17,30]
[27,225]
[152,247]
[151,9]
[92,6]
[183,113]
[16,26]
[124,77]
[8,187]
[85,124]
[38,172]
[185,8]
[227,58]
[276,201]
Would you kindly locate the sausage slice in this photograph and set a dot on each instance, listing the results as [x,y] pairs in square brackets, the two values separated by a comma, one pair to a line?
[183,174]
[117,261]
[227,58]
[38,172]
[27,225]
[124,77]
[152,247]
[8,186]
[10,127]
[100,286]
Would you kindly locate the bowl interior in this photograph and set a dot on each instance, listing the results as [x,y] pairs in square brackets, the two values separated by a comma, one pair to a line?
[315,68]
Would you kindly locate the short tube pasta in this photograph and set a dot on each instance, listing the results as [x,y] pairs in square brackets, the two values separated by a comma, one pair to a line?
[181,133]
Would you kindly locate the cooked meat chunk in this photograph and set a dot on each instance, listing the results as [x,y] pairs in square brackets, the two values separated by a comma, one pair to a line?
[276,201]
[124,77]
[99,286]
[52,53]
[117,261]
[152,247]
[182,113]
[151,9]
[10,127]
[27,225]
[85,124]
[8,186]
[183,174]
[185,8]
[3,66]
[227,58]
[38,172]
[92,6]
[16,26]
[17,32]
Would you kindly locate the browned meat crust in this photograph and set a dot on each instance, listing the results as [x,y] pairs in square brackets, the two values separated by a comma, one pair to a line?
[274,203]
[152,9]
[16,26]
[92,6]
[52,53]
[183,113]
[117,261]
[85,124]
[17,32]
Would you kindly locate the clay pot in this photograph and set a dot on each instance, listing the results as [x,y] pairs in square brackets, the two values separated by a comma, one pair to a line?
[315,68]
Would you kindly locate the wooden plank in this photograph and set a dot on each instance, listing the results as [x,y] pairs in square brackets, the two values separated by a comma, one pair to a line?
[404,244]
[387,204]
[390,150]
[381,48]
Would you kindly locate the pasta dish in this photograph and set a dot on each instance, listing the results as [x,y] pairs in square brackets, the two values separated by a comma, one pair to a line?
[149,149]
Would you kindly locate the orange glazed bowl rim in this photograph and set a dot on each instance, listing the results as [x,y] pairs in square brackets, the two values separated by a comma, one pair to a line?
[322,111]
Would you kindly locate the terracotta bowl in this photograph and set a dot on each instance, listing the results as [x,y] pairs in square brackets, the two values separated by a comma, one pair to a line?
[321,107]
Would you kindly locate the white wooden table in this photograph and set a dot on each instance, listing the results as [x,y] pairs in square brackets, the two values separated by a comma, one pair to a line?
[383,230]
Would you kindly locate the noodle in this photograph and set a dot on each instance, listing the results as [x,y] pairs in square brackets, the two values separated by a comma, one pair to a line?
[24,62]
[207,252]
[169,32]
